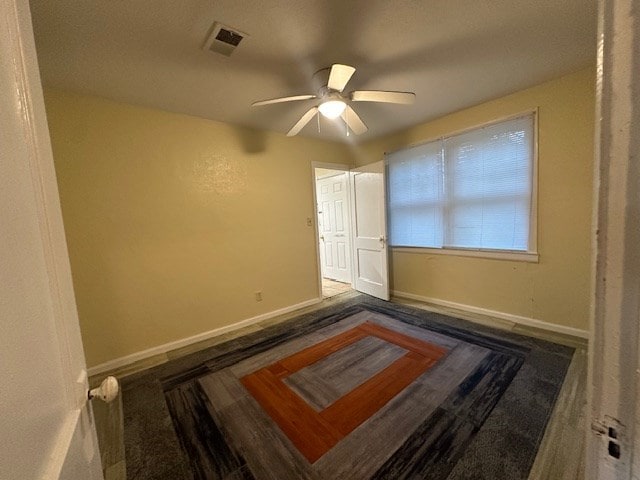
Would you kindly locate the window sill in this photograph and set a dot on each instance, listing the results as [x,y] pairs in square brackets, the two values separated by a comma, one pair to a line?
[531,257]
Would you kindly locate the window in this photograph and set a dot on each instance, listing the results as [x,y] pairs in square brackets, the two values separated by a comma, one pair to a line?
[467,191]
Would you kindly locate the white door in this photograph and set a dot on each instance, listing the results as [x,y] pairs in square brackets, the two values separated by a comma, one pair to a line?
[370,230]
[46,429]
[333,223]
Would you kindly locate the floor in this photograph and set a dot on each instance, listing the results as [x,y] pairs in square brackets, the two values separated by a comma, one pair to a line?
[566,426]
[320,394]
[568,423]
[331,288]
[379,386]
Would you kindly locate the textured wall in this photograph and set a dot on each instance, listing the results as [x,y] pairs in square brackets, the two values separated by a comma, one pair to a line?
[555,290]
[173,222]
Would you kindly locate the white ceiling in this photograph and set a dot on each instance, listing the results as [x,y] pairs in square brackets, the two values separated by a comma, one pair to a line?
[451,53]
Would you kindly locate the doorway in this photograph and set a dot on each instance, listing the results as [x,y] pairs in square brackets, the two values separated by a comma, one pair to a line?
[334,229]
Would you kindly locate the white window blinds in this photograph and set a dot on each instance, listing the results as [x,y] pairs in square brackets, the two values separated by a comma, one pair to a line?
[416,196]
[471,190]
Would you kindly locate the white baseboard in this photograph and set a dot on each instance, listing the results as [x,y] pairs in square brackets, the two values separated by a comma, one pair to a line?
[183,342]
[531,322]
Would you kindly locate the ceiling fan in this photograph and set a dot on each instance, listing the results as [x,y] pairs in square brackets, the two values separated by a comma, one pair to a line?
[334,104]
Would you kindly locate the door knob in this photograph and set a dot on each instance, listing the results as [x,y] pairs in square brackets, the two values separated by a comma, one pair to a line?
[107,391]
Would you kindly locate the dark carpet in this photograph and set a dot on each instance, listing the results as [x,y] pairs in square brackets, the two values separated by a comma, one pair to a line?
[182,420]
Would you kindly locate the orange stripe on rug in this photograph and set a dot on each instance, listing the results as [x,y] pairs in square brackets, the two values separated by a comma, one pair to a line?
[314,433]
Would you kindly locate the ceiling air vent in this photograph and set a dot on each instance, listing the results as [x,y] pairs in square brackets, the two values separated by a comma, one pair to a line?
[223,39]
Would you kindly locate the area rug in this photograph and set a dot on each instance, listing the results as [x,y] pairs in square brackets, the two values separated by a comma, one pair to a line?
[362,390]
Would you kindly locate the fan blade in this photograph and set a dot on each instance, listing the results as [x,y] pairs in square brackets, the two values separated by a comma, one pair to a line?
[382,96]
[283,99]
[339,76]
[353,121]
[302,122]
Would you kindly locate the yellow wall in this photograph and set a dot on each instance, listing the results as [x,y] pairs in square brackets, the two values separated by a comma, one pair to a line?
[173,222]
[556,290]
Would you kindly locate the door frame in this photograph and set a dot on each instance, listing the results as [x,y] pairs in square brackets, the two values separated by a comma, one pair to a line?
[346,169]
[614,345]
[76,432]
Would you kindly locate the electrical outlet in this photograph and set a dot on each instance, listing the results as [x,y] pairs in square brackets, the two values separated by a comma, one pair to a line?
[258,296]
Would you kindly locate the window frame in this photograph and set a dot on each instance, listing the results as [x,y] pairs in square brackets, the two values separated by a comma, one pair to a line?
[531,254]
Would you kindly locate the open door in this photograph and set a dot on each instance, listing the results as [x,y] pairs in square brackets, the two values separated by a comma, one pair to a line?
[47,426]
[370,259]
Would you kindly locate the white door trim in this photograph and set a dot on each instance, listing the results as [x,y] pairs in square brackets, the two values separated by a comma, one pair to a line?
[41,166]
[614,356]
[71,443]
[329,166]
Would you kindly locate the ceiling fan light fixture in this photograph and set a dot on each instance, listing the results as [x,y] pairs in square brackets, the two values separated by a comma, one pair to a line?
[332,108]
[334,104]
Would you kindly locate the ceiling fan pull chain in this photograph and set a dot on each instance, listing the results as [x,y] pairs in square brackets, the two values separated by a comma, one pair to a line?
[318,117]
[346,124]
